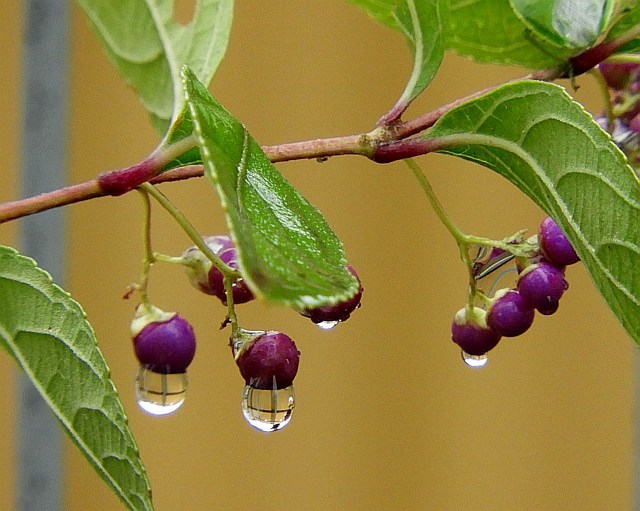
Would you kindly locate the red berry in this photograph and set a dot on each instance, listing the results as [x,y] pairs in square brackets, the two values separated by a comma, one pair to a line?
[340,311]
[472,334]
[269,359]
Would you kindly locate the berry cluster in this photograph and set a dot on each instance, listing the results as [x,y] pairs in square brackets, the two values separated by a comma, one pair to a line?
[164,343]
[510,312]
[623,81]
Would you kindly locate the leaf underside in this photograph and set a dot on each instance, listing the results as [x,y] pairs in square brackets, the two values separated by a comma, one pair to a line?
[537,137]
[46,332]
[287,252]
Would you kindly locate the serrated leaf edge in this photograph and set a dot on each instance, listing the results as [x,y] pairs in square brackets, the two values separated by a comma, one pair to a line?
[79,312]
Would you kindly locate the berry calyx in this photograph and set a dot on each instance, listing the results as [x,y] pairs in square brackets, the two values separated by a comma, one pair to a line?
[207,278]
[510,314]
[339,311]
[554,244]
[269,360]
[163,342]
[469,330]
[542,285]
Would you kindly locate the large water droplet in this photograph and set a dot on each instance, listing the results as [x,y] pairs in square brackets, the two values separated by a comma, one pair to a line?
[160,394]
[268,410]
[475,361]
[327,325]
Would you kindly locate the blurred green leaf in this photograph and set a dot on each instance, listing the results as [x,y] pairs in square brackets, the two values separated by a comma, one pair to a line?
[542,141]
[628,18]
[574,24]
[489,31]
[380,10]
[148,47]
[48,335]
[287,252]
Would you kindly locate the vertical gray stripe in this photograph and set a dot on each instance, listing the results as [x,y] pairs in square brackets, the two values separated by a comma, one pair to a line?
[46,26]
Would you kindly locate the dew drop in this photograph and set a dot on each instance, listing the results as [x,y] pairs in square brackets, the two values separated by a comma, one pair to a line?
[327,325]
[268,410]
[475,361]
[160,394]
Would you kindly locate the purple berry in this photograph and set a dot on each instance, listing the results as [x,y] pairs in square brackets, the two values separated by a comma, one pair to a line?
[165,346]
[634,124]
[510,315]
[619,75]
[542,285]
[472,333]
[555,246]
[270,358]
[340,311]
[241,292]
[208,279]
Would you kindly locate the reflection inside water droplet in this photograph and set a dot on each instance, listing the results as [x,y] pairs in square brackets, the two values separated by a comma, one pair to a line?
[160,394]
[268,410]
[327,325]
[475,361]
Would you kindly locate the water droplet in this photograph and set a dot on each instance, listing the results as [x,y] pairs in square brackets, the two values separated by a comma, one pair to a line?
[327,325]
[475,361]
[160,394]
[268,410]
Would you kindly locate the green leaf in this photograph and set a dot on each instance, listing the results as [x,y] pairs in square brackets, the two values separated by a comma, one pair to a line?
[380,10]
[181,127]
[149,48]
[421,22]
[287,252]
[629,18]
[489,31]
[537,137]
[574,24]
[47,334]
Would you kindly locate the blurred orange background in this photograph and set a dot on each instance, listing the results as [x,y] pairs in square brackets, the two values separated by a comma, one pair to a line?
[388,417]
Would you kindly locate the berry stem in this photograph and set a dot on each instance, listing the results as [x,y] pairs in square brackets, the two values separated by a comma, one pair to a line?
[458,235]
[189,229]
[633,58]
[606,98]
[147,260]
[231,310]
[164,258]
[230,275]
[434,201]
[466,241]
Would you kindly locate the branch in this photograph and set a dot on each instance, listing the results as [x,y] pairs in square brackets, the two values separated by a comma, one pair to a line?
[383,145]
